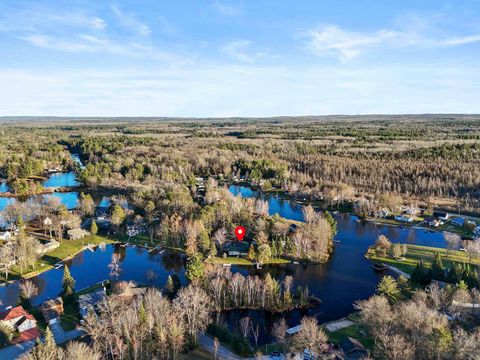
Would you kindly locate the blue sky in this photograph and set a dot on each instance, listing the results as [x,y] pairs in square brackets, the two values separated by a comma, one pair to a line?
[239,58]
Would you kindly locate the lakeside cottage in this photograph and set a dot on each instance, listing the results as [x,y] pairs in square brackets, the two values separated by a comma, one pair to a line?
[441,215]
[404,218]
[134,228]
[47,246]
[88,303]
[237,248]
[433,222]
[52,309]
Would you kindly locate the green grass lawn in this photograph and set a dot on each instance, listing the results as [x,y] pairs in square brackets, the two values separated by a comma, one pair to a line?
[66,249]
[416,253]
[243,261]
[355,331]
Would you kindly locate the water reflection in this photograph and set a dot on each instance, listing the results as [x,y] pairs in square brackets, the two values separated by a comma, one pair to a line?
[61,180]
[88,268]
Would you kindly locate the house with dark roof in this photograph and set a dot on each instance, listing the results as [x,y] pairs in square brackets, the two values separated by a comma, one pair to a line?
[352,349]
[434,222]
[236,248]
[88,302]
[52,309]
[441,215]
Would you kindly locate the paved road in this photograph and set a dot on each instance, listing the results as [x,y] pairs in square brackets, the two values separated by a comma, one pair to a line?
[223,353]
[15,351]
[61,336]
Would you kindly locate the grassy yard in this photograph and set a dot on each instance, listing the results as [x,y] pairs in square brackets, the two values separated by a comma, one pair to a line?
[416,253]
[67,248]
[356,331]
[243,261]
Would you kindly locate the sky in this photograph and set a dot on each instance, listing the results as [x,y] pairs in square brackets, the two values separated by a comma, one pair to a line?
[223,58]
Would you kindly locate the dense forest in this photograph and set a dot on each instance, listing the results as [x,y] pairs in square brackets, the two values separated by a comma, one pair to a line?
[430,158]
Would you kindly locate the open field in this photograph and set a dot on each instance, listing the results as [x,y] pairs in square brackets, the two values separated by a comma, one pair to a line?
[416,253]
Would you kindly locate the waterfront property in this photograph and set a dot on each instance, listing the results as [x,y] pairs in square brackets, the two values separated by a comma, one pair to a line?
[425,254]
[87,303]
[52,309]
[404,218]
[236,248]
[433,222]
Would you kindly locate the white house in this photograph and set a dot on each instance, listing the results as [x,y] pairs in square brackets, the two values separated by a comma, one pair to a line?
[5,235]
[20,320]
[404,218]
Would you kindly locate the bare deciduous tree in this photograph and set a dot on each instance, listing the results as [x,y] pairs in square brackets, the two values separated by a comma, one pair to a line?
[193,305]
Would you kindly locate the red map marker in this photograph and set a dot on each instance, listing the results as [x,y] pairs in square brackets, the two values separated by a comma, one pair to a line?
[240,233]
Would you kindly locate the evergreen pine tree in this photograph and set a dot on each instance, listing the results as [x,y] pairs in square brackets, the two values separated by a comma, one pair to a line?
[420,274]
[454,274]
[437,271]
[195,268]
[68,283]
[94,228]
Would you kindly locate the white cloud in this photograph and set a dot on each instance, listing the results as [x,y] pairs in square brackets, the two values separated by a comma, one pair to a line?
[131,22]
[240,91]
[229,9]
[240,50]
[461,40]
[36,19]
[332,40]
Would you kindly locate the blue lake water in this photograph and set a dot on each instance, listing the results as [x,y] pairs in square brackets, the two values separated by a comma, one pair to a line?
[345,278]
[4,187]
[88,268]
[105,202]
[69,199]
[61,180]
